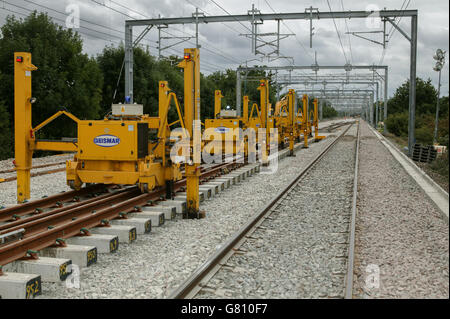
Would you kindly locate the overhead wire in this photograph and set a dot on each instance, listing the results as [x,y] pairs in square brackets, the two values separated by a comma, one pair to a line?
[79,30]
[337,31]
[348,33]
[392,31]
[164,31]
[290,30]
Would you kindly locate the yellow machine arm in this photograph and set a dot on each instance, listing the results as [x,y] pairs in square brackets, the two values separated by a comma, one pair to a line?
[25,142]
[191,66]
[217,102]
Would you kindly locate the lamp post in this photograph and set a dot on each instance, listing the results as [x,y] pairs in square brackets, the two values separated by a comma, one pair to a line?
[440,58]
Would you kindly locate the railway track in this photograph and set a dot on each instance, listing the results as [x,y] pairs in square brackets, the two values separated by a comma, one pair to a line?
[316,242]
[28,228]
[35,225]
[12,170]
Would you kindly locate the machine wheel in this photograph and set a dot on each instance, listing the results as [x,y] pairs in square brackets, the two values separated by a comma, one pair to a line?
[73,186]
[143,187]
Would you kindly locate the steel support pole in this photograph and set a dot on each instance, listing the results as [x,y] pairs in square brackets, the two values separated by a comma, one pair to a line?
[196,28]
[159,43]
[437,110]
[377,109]
[321,110]
[412,86]
[385,99]
[370,110]
[238,93]
[129,61]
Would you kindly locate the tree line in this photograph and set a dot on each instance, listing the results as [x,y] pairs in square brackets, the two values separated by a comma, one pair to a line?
[426,98]
[68,79]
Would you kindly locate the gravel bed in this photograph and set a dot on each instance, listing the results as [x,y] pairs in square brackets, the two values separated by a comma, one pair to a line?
[8,163]
[157,263]
[302,251]
[399,233]
[40,185]
[36,170]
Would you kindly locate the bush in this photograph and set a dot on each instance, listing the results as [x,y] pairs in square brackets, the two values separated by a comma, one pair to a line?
[424,135]
[440,165]
[398,124]
[5,136]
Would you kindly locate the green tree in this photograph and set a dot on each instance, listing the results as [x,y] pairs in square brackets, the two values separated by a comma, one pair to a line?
[425,98]
[147,74]
[5,135]
[328,111]
[66,78]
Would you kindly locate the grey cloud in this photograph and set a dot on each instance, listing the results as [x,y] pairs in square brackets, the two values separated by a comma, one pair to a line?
[433,32]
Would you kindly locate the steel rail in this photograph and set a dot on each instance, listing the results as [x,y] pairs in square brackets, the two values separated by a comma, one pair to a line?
[76,221]
[51,171]
[29,207]
[12,170]
[351,250]
[65,223]
[41,214]
[193,284]
[41,222]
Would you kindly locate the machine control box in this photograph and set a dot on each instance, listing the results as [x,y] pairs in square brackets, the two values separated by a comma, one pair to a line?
[112,140]
[127,109]
[227,113]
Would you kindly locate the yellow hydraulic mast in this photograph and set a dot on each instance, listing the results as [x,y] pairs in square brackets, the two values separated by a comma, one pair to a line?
[191,66]
[163,96]
[22,122]
[305,121]
[317,137]
[264,104]
[217,102]
[264,101]
[291,120]
[245,110]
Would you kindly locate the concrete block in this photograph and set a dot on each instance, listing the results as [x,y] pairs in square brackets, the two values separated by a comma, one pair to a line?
[181,196]
[220,185]
[143,225]
[257,168]
[215,189]
[156,218]
[83,256]
[170,212]
[180,205]
[104,243]
[207,191]
[20,286]
[245,171]
[232,179]
[239,176]
[226,182]
[126,234]
[50,269]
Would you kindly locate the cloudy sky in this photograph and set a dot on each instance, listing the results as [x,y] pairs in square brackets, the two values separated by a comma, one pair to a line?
[102,23]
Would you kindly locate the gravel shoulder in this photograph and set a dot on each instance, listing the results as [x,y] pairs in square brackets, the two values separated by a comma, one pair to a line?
[398,231]
[300,252]
[157,263]
[442,180]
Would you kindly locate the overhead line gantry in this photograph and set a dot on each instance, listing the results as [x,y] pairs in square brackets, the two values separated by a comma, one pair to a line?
[384,15]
